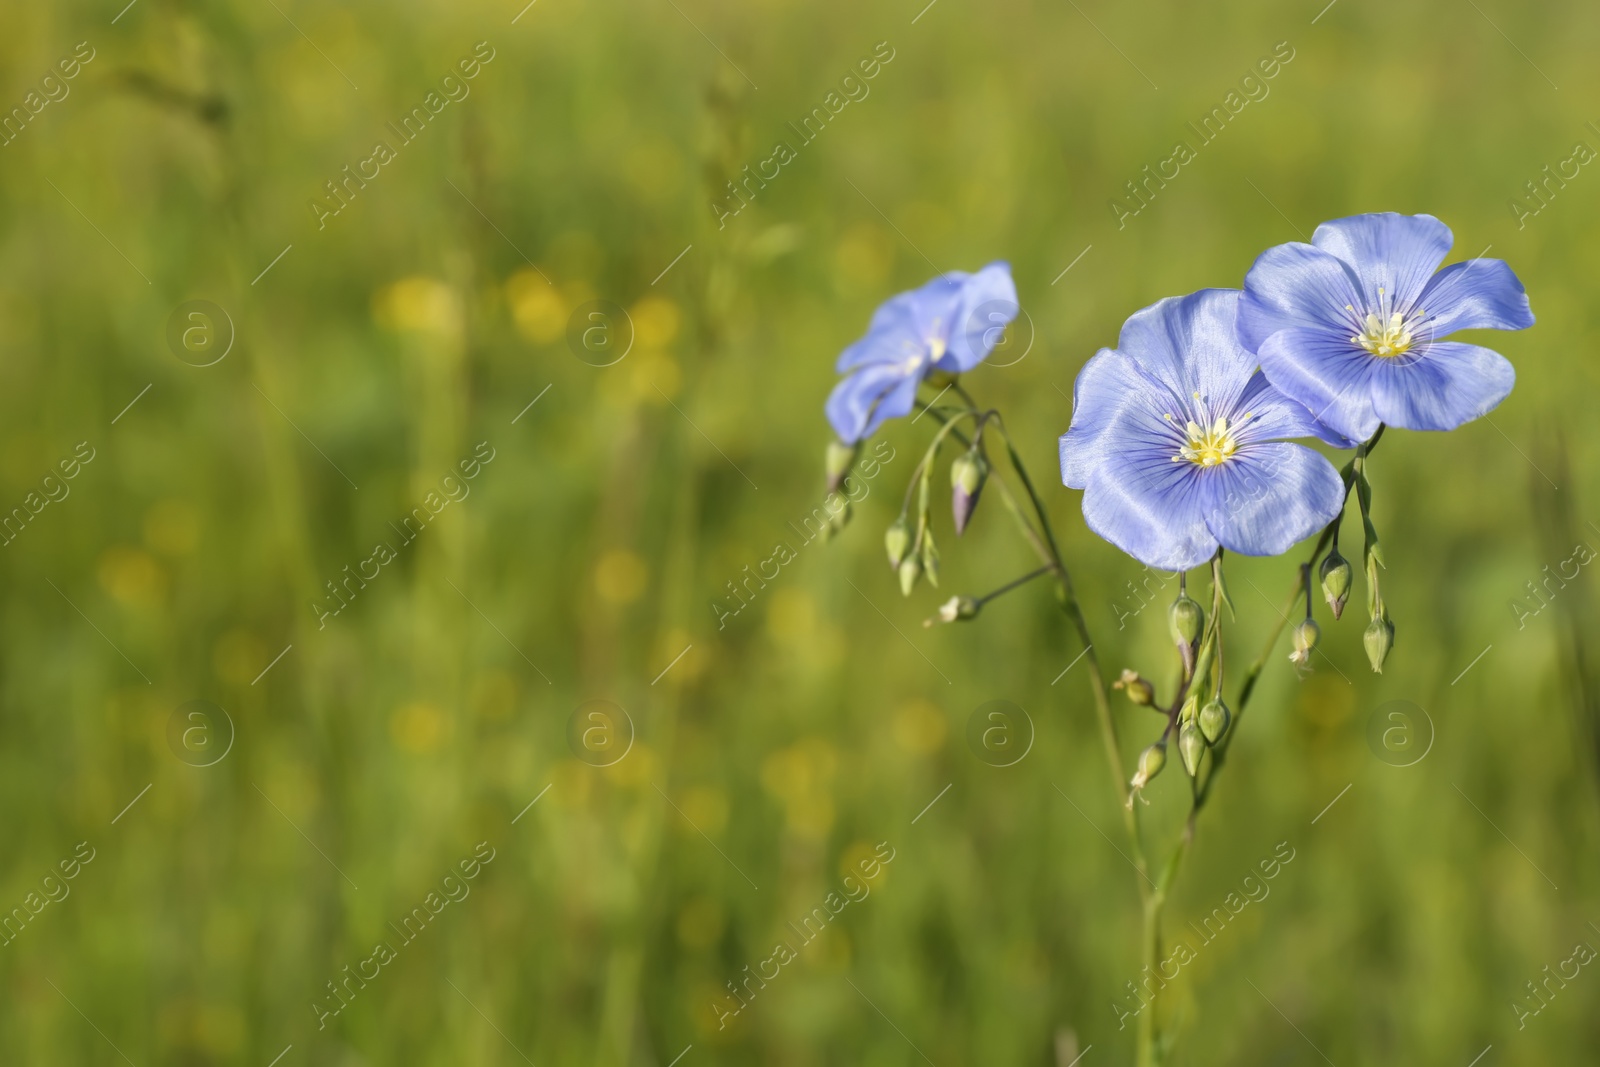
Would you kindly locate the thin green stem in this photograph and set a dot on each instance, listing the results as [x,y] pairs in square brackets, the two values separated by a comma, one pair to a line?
[1302,585]
[1044,543]
[1014,583]
[1152,899]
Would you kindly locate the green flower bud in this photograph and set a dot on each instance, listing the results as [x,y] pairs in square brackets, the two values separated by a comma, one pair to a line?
[967,475]
[840,458]
[1378,639]
[1151,760]
[1186,620]
[837,522]
[1336,575]
[1191,746]
[957,608]
[1214,720]
[1139,691]
[1305,639]
[910,571]
[897,541]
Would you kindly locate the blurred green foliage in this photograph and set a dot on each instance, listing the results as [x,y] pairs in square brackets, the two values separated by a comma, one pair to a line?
[383,747]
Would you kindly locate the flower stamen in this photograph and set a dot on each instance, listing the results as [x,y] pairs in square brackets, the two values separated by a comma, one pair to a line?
[1386,333]
[1208,446]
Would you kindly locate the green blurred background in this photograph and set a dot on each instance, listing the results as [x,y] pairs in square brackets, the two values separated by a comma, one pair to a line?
[779,750]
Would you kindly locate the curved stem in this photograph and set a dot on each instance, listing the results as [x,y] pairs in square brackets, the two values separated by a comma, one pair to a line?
[1030,576]
[1151,896]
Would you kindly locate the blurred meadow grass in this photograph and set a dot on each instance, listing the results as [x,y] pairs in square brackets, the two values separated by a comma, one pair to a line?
[381,349]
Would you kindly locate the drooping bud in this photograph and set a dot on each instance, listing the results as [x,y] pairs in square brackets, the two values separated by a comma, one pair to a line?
[930,558]
[1139,691]
[840,458]
[1305,639]
[967,476]
[910,571]
[1378,639]
[1151,760]
[1186,620]
[837,522]
[1191,746]
[956,609]
[1214,719]
[1336,575]
[897,540]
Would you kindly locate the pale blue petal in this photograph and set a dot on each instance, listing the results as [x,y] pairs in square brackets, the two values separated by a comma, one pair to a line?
[1269,497]
[1150,507]
[859,404]
[988,301]
[1479,294]
[1398,252]
[1273,416]
[893,341]
[1189,343]
[1296,285]
[1326,374]
[1440,386]
[1110,390]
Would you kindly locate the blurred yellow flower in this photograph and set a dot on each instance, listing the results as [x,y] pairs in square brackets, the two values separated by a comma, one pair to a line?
[209,1030]
[694,659]
[859,853]
[172,527]
[293,789]
[706,807]
[792,616]
[419,304]
[655,377]
[418,727]
[132,575]
[795,624]
[537,307]
[238,657]
[637,768]
[920,727]
[620,576]
[801,777]
[655,321]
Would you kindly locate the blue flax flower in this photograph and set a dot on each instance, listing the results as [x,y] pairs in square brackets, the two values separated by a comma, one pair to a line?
[949,325]
[1176,442]
[1352,324]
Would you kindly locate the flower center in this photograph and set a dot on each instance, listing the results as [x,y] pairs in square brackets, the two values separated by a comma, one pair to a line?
[1385,337]
[1385,332]
[1208,446]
